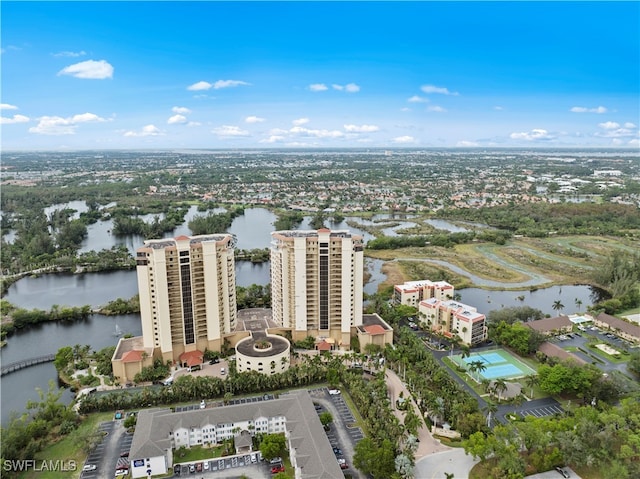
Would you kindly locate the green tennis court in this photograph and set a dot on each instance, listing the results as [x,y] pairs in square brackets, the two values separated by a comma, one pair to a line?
[498,363]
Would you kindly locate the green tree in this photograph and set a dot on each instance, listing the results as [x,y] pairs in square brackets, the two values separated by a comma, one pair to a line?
[64,357]
[273,445]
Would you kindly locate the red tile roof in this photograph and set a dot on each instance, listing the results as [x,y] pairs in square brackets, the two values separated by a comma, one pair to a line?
[323,346]
[192,357]
[182,238]
[375,329]
[132,356]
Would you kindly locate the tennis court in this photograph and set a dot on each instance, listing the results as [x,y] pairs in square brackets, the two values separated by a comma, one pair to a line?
[498,364]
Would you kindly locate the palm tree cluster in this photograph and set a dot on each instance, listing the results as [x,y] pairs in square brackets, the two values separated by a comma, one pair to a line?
[436,392]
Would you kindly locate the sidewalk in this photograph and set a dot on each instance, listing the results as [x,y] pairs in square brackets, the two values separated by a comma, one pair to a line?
[428,444]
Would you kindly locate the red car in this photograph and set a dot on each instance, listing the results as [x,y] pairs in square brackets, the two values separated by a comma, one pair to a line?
[344,465]
[277,469]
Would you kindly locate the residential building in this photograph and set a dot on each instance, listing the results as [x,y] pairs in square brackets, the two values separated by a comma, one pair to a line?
[187,293]
[551,326]
[317,283]
[412,292]
[452,318]
[624,329]
[160,431]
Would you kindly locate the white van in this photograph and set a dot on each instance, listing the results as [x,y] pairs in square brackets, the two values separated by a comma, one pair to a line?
[223,371]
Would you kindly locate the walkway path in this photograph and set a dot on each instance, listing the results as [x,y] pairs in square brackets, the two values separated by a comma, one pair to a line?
[428,444]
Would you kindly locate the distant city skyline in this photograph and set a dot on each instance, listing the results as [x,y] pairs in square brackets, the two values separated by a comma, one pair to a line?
[177,75]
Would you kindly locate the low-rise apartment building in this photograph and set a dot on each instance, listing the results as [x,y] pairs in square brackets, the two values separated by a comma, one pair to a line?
[160,431]
[412,292]
[452,318]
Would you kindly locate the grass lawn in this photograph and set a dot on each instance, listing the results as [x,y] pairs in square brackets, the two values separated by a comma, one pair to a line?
[68,449]
[198,453]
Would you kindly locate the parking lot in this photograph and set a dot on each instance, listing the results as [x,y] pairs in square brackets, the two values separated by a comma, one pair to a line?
[579,339]
[110,454]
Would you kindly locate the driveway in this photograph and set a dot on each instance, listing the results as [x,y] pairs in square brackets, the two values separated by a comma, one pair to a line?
[453,461]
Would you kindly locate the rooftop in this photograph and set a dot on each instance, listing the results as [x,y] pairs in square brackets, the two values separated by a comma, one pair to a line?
[310,445]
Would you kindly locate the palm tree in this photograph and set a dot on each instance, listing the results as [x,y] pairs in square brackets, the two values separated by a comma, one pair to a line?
[477,367]
[499,386]
[557,305]
[491,408]
[531,380]
[578,304]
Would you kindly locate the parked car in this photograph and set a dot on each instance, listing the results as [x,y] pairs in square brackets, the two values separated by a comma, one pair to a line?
[199,467]
[206,466]
[192,468]
[275,461]
[214,361]
[277,469]
[563,472]
[334,392]
[121,472]
[89,467]
[337,451]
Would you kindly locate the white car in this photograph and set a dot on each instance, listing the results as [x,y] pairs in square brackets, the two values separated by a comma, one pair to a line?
[206,466]
[334,392]
[89,467]
[121,472]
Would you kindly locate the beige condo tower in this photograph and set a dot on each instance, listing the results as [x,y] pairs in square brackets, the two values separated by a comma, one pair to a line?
[187,293]
[316,283]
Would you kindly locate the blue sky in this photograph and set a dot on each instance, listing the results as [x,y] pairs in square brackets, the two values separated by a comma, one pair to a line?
[94,75]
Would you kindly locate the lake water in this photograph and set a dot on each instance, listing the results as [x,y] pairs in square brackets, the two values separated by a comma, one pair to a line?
[253,230]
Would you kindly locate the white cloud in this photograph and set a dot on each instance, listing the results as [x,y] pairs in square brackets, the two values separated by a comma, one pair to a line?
[404,139]
[318,87]
[418,99]
[405,109]
[14,119]
[436,108]
[361,128]
[57,125]
[537,134]
[229,84]
[6,106]
[629,125]
[253,119]
[194,123]
[582,109]
[498,108]
[180,110]
[90,69]
[634,142]
[177,120]
[70,54]
[465,143]
[349,87]
[300,131]
[204,85]
[226,131]
[300,121]
[613,130]
[148,130]
[437,89]
[273,139]
[199,86]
